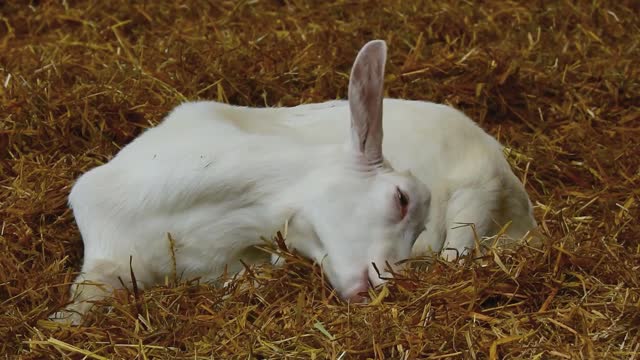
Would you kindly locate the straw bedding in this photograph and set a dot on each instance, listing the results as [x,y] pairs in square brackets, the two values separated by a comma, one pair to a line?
[557,82]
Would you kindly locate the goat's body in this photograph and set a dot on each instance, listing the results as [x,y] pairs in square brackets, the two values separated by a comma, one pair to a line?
[215,180]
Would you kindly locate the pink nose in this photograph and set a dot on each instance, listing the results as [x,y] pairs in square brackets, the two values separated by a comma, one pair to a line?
[359,293]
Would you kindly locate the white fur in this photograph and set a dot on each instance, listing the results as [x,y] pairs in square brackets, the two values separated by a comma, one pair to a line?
[464,167]
[217,186]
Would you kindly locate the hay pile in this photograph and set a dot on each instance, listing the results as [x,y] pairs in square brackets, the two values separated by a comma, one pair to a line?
[558,82]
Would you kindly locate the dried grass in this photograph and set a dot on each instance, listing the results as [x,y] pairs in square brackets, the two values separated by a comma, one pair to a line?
[558,82]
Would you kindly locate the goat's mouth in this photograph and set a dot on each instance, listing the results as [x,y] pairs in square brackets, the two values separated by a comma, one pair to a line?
[360,292]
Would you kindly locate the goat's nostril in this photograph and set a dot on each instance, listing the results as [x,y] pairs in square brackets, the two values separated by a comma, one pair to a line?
[358,299]
[359,293]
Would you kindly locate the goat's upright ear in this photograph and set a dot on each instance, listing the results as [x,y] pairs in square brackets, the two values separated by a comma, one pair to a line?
[366,87]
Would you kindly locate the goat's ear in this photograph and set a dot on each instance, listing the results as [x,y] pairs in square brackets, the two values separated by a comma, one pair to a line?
[366,86]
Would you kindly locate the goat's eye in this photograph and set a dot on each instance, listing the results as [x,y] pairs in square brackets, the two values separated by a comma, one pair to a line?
[403,201]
